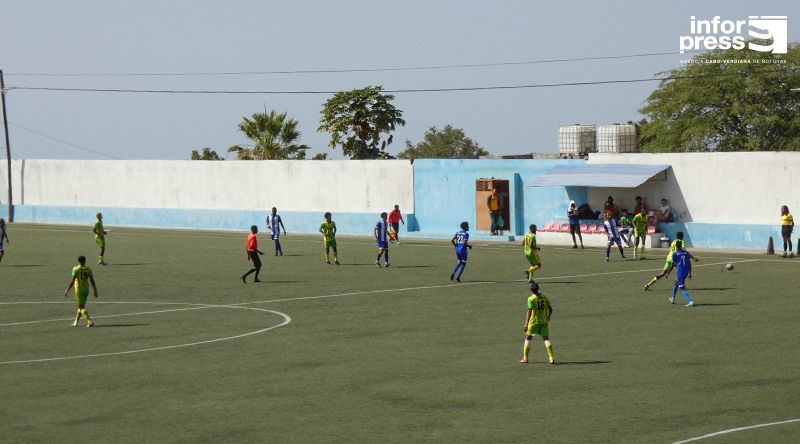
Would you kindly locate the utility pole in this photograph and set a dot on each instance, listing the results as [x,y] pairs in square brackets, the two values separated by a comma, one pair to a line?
[8,148]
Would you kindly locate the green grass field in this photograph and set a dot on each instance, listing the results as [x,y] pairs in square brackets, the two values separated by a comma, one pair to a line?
[386,355]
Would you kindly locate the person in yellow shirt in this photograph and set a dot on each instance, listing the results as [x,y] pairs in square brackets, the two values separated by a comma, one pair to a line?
[80,279]
[531,251]
[494,204]
[100,238]
[668,264]
[328,230]
[787,226]
[536,323]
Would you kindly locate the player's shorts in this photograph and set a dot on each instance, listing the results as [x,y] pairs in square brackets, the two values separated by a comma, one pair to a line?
[330,242]
[681,281]
[637,233]
[614,239]
[275,236]
[81,294]
[1,246]
[383,244]
[254,257]
[534,259]
[667,264]
[101,241]
[538,329]
[462,254]
[786,230]
[574,229]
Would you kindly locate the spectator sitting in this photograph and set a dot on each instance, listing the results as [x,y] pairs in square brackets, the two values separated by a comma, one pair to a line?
[585,212]
[609,207]
[626,227]
[664,213]
[639,205]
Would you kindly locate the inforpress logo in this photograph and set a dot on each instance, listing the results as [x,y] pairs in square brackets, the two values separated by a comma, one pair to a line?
[726,34]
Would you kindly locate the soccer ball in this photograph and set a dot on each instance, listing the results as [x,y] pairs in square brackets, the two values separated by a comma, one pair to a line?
[729,267]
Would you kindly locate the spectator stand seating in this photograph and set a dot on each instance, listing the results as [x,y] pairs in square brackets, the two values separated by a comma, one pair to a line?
[592,232]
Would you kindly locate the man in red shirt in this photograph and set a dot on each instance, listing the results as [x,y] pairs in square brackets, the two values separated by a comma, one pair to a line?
[252,254]
[394,219]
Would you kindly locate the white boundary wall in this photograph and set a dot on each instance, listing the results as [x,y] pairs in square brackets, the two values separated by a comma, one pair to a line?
[725,188]
[353,186]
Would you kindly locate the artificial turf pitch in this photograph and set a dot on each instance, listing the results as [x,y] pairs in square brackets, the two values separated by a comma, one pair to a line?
[393,355]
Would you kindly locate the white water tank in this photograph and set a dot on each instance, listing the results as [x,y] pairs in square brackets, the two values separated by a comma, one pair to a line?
[616,138]
[577,139]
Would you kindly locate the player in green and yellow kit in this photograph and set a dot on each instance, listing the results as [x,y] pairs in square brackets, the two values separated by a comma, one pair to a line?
[328,230]
[531,251]
[536,323]
[100,238]
[640,231]
[80,280]
[668,264]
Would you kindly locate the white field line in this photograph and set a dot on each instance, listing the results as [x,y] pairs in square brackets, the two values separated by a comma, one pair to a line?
[738,429]
[106,316]
[286,320]
[428,287]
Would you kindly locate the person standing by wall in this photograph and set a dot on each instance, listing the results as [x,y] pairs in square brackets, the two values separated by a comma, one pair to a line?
[381,233]
[495,204]
[574,223]
[394,220]
[3,236]
[787,226]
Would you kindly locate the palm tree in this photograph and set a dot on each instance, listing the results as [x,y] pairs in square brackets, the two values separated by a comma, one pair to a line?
[274,137]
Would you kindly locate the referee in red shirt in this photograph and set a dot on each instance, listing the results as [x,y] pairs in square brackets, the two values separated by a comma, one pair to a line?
[252,254]
[394,219]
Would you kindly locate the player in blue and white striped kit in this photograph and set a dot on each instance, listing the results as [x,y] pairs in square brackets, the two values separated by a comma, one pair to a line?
[382,238]
[274,224]
[681,259]
[610,225]
[461,241]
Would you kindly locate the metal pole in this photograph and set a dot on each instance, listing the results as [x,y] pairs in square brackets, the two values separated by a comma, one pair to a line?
[8,148]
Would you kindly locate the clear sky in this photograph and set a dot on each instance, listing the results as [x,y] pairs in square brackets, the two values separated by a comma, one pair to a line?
[147,36]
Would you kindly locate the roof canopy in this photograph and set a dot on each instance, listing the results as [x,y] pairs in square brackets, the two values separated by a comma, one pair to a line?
[597,175]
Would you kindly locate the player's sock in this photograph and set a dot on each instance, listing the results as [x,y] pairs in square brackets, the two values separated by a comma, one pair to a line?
[455,269]
[686,296]
[608,251]
[85,314]
[78,316]
[674,291]
[526,349]
[386,256]
[532,269]
[463,265]
[100,260]
[652,281]
[549,348]
[378,259]
[642,249]
[621,251]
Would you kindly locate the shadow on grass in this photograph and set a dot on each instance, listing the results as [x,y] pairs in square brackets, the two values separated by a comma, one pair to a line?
[581,362]
[563,282]
[413,266]
[357,265]
[716,305]
[23,265]
[118,325]
[279,282]
[133,264]
[296,255]
[713,289]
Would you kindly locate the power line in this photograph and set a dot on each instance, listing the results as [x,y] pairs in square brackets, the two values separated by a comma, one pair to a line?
[63,141]
[351,70]
[395,91]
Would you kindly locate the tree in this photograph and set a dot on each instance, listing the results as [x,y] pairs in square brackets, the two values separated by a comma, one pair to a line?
[732,106]
[273,135]
[207,154]
[358,120]
[320,156]
[449,143]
